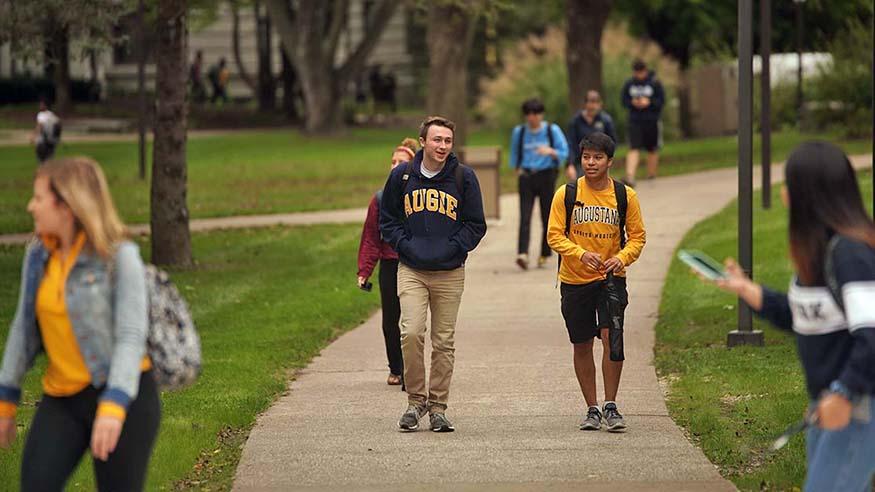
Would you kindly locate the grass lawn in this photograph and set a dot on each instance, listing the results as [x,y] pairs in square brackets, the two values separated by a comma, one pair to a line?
[732,403]
[265,302]
[284,171]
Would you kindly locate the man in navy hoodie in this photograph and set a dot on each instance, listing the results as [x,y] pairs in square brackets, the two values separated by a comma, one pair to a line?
[432,215]
[644,97]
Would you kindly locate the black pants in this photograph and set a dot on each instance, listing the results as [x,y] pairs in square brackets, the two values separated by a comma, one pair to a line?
[61,433]
[541,185]
[44,151]
[391,315]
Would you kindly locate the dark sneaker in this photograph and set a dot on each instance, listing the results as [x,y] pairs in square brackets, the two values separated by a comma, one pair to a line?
[410,420]
[613,420]
[439,423]
[593,420]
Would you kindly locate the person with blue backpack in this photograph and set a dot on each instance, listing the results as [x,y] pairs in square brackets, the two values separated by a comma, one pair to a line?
[537,150]
[84,302]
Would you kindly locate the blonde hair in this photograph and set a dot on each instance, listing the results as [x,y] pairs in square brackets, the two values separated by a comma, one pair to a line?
[79,182]
[410,143]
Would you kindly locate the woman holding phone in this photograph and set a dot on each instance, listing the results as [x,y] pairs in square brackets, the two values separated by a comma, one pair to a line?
[830,306]
[84,303]
[372,249]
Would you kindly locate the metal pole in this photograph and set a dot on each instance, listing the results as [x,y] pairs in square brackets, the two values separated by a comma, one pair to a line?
[766,100]
[745,335]
[141,85]
[799,100]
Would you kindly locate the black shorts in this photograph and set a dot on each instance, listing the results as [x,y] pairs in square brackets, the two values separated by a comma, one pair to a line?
[644,135]
[585,309]
[44,151]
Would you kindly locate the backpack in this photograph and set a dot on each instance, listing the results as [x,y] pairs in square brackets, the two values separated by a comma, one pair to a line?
[172,342]
[519,144]
[56,131]
[571,201]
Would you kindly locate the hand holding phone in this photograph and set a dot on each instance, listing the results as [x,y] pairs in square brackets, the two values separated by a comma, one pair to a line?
[703,264]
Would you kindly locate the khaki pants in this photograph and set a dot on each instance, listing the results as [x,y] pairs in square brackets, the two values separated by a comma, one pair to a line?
[419,290]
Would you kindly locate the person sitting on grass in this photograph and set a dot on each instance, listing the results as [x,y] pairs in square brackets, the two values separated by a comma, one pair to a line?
[830,308]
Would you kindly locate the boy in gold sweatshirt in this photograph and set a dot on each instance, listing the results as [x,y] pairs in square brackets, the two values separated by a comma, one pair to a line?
[604,233]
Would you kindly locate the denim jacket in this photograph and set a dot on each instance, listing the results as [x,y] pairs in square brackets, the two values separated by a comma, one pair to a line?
[109,314]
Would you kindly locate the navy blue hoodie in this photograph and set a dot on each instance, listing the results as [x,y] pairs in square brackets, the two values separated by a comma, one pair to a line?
[430,223]
[649,87]
[834,344]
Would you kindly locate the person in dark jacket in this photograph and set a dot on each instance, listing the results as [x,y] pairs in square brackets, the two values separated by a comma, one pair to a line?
[644,97]
[431,213]
[592,118]
[371,249]
[829,307]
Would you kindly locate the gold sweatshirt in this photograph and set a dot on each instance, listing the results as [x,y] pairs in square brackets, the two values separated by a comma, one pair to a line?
[595,227]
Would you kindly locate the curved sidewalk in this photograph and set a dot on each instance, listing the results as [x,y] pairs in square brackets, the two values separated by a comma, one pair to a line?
[514,398]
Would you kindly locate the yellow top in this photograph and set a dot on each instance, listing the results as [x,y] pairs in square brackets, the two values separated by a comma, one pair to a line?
[595,227]
[66,373]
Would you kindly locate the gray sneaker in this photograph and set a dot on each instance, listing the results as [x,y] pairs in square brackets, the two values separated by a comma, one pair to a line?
[439,423]
[593,420]
[410,420]
[613,420]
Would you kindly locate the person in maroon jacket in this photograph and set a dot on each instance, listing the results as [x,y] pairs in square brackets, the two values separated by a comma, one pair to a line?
[373,248]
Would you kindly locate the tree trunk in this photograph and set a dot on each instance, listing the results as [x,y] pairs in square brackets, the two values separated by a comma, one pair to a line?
[583,52]
[235,47]
[290,89]
[171,238]
[685,116]
[311,39]
[322,95]
[449,38]
[59,67]
[266,80]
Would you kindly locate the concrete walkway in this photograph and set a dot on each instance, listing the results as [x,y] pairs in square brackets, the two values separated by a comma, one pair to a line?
[514,399]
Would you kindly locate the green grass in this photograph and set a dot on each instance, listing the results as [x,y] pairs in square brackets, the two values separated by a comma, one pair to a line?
[278,171]
[732,403]
[265,302]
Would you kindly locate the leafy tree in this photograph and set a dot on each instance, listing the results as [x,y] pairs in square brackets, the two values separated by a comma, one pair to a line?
[45,28]
[310,32]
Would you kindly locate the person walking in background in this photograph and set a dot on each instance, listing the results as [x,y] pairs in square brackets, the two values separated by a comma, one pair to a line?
[371,249]
[589,222]
[84,303]
[196,79]
[432,215]
[219,76]
[829,307]
[47,132]
[644,97]
[592,118]
[537,149]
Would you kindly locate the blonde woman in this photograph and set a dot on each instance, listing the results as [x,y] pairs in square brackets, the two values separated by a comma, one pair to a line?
[83,302]
[371,249]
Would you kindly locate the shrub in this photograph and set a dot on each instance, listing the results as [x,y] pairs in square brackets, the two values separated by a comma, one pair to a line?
[842,91]
[29,89]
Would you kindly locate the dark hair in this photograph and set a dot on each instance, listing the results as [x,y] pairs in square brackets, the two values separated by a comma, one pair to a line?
[824,199]
[435,120]
[639,64]
[533,106]
[600,142]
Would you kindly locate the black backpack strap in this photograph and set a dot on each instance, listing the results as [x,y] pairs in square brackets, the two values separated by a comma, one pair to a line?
[829,272]
[622,206]
[552,143]
[519,146]
[459,175]
[570,200]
